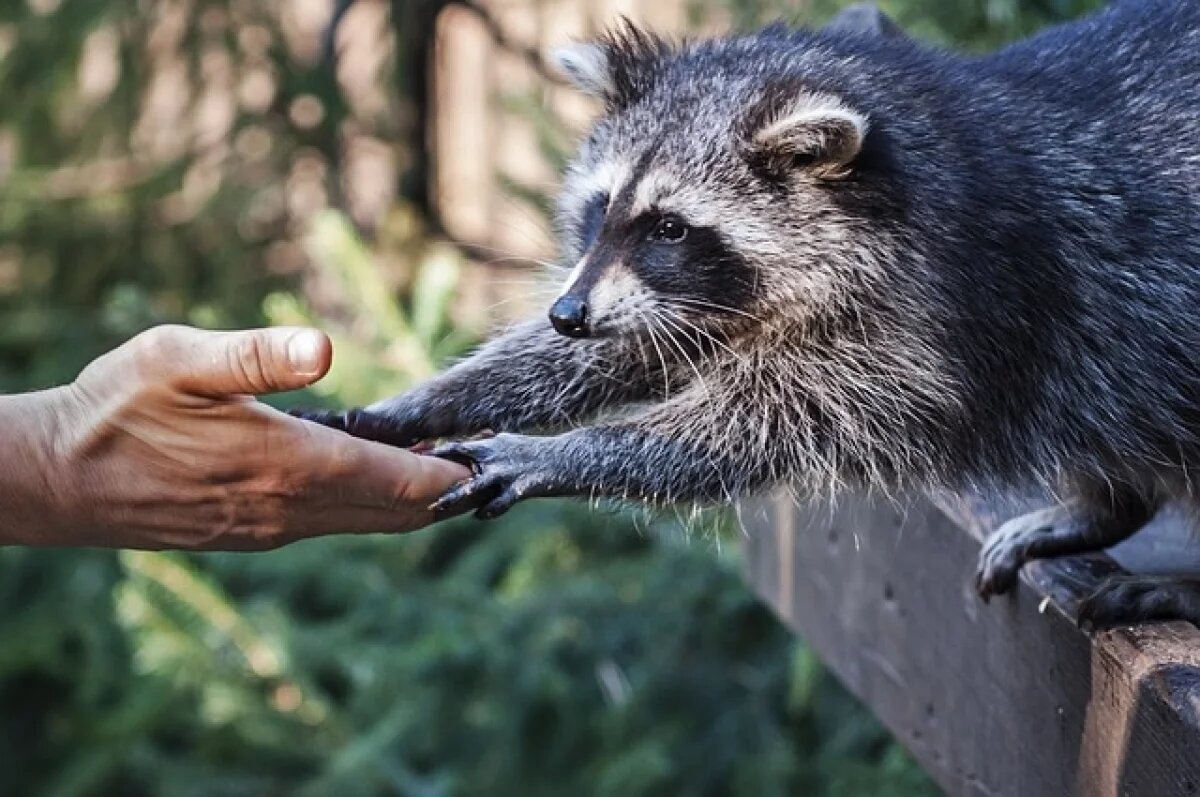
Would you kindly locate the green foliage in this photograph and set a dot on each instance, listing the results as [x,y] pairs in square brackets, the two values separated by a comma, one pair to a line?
[143,197]
[555,652]
[382,345]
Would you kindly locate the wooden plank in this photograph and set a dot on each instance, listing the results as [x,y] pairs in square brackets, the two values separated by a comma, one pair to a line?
[1007,698]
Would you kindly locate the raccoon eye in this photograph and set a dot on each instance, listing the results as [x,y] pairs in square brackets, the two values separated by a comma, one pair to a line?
[670,230]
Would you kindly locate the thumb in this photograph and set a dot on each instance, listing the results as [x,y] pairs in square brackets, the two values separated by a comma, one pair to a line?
[249,362]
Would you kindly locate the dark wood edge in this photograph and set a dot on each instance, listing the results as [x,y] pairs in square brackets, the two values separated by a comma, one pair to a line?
[1006,698]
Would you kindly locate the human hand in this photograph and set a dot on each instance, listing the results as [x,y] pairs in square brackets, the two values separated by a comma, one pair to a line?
[159,444]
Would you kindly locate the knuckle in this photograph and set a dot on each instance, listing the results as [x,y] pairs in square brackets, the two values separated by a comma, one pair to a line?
[156,345]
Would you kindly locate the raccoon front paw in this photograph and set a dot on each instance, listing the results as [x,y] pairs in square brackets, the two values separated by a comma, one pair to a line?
[367,425]
[1011,546]
[508,468]
[1132,599]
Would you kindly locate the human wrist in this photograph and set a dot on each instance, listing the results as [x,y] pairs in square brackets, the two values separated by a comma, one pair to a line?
[37,482]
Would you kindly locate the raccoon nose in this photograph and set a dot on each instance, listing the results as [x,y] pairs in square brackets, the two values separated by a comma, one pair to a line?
[569,316]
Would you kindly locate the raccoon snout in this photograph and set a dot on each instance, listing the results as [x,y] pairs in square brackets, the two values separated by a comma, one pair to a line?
[569,315]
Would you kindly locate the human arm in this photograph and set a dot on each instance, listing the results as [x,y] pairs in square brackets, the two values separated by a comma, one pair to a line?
[160,444]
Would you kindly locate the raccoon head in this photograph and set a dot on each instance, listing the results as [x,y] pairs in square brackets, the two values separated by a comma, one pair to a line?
[706,195]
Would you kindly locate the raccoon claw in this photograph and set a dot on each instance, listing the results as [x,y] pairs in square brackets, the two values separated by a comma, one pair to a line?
[1016,542]
[1001,559]
[465,453]
[361,423]
[1053,531]
[1132,599]
[506,470]
[469,494]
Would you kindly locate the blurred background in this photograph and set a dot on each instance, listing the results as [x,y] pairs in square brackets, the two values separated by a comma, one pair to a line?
[380,169]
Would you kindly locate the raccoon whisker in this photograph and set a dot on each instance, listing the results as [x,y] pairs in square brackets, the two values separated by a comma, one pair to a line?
[704,334]
[498,304]
[671,345]
[661,359]
[509,300]
[578,381]
[664,315]
[724,308]
[555,268]
[696,334]
[696,304]
[683,353]
[679,335]
[645,356]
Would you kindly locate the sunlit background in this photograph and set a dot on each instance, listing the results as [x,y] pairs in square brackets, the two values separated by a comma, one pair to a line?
[382,170]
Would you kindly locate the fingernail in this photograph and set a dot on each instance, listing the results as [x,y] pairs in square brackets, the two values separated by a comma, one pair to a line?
[304,353]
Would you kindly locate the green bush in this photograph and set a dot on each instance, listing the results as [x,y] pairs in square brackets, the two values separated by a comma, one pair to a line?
[555,652]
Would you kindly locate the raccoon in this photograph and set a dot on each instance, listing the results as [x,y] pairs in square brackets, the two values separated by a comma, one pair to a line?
[838,257]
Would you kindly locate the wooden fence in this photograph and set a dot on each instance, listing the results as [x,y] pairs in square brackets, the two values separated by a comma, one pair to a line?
[1007,699]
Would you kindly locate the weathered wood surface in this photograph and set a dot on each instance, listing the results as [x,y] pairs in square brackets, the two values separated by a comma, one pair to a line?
[1006,698]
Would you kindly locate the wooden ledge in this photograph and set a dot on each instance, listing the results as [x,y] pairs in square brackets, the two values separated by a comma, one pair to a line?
[1006,698]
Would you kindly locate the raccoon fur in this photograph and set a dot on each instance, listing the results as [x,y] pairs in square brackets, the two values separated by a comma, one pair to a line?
[839,257]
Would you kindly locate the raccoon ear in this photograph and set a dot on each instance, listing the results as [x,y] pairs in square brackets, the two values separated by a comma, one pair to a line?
[587,66]
[864,19]
[816,133]
[619,67]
